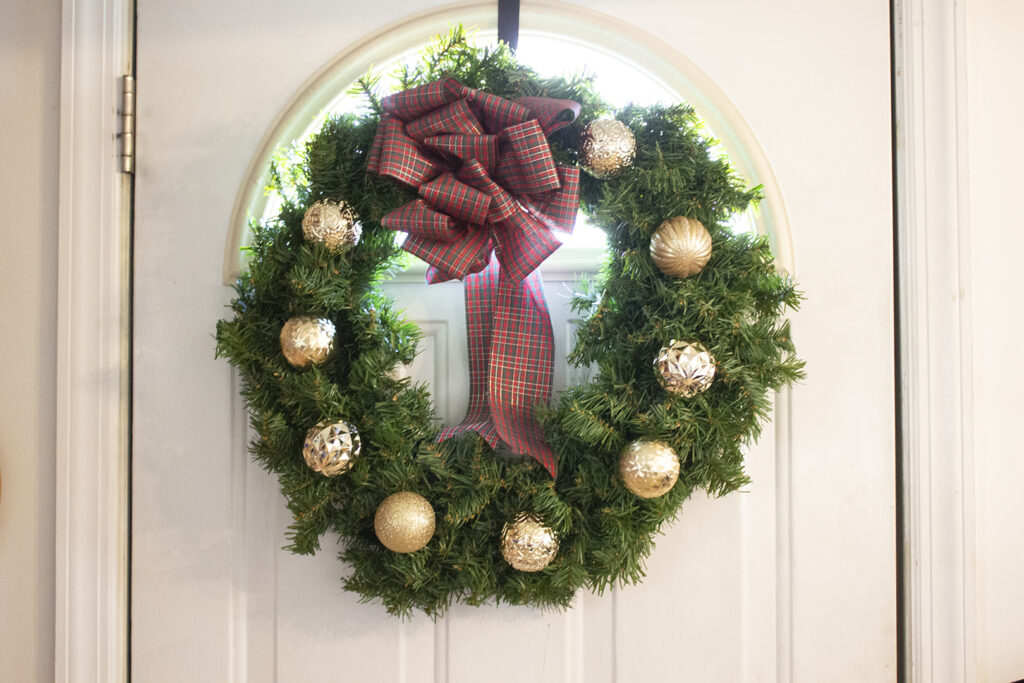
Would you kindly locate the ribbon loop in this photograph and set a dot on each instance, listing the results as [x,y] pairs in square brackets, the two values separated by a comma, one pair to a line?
[457,199]
[454,118]
[419,219]
[491,197]
[481,148]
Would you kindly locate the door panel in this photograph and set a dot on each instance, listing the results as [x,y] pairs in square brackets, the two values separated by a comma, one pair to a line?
[792,579]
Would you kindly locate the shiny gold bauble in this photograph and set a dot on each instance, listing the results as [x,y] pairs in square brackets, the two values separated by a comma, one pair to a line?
[306,340]
[527,544]
[331,448]
[404,522]
[649,468]
[332,223]
[606,147]
[681,247]
[684,368]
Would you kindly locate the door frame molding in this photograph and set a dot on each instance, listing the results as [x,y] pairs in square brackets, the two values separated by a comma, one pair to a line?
[93,358]
[933,238]
[93,347]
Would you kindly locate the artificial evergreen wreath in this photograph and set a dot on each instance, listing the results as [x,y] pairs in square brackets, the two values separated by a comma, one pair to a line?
[426,522]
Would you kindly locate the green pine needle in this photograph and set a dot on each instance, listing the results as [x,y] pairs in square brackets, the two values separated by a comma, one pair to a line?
[735,307]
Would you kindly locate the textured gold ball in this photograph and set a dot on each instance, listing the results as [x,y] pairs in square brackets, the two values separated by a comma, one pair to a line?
[332,223]
[331,448]
[527,544]
[684,368]
[306,340]
[404,522]
[649,468]
[606,147]
[681,247]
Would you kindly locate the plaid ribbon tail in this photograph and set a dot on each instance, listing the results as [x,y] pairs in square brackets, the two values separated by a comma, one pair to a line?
[479,323]
[511,362]
[490,196]
[522,366]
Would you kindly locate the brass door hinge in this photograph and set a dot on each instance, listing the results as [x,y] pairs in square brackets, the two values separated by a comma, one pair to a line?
[126,136]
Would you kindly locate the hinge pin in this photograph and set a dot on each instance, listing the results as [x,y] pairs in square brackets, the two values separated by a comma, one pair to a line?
[127,134]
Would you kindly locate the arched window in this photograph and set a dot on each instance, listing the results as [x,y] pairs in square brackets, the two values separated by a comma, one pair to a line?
[630,66]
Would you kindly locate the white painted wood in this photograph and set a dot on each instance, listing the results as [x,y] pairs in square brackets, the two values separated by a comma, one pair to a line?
[792,580]
[993,53]
[936,309]
[92,349]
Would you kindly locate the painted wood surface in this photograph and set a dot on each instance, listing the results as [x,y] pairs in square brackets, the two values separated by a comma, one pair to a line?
[791,580]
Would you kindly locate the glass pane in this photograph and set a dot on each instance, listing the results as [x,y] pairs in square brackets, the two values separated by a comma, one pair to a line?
[618,81]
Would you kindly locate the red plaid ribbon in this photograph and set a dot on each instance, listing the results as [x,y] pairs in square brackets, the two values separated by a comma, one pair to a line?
[491,195]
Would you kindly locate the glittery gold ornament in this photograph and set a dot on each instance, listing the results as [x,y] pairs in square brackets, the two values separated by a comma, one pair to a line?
[333,223]
[681,247]
[684,368]
[404,522]
[331,448]
[306,340]
[606,146]
[649,468]
[527,544]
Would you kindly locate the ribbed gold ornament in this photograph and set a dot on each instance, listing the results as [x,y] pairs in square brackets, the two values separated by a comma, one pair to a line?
[404,522]
[684,368]
[527,543]
[649,468]
[606,147]
[681,247]
[331,448]
[306,340]
[333,223]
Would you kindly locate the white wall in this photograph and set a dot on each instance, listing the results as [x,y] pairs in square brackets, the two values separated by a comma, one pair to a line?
[29,126]
[995,63]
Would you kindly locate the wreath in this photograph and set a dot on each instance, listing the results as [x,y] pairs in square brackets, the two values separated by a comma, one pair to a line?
[476,161]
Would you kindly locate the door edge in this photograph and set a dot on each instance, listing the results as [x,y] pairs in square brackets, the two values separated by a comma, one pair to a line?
[93,347]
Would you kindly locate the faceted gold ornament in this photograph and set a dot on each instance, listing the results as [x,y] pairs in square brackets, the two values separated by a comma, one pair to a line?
[333,223]
[684,368]
[649,468]
[606,147]
[527,543]
[331,449]
[681,247]
[306,340]
[404,522]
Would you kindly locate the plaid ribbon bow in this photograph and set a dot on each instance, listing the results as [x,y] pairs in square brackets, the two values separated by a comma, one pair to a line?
[490,197]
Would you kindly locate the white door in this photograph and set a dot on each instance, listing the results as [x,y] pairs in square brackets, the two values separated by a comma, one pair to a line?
[792,580]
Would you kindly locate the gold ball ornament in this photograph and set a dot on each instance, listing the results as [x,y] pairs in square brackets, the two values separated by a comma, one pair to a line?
[330,449]
[527,543]
[684,368]
[404,522]
[681,247]
[606,147]
[306,340]
[649,468]
[332,223]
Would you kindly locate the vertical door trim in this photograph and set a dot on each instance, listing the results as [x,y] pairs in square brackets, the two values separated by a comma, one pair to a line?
[91,619]
[934,308]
